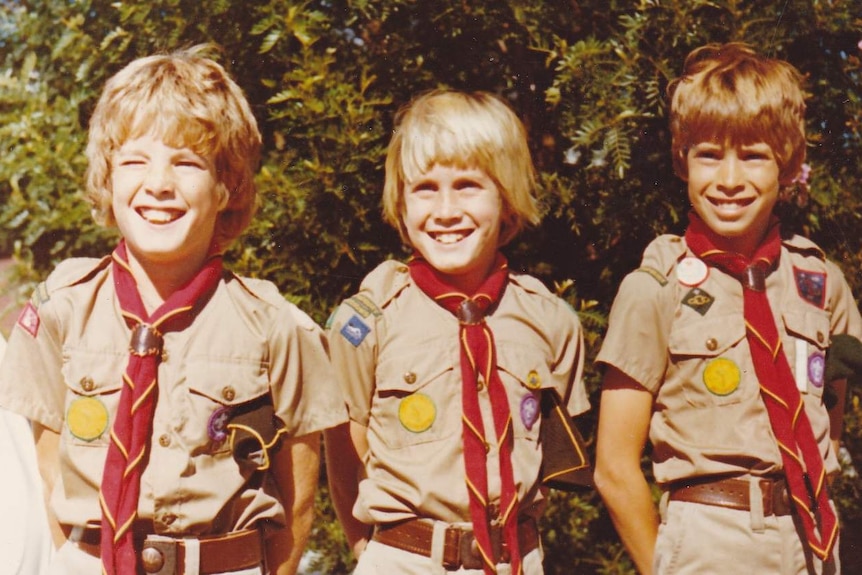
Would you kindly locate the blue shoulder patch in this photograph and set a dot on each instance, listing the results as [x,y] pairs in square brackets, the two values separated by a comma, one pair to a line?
[355,330]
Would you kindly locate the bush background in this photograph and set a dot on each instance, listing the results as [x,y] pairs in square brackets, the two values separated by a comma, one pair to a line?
[325,77]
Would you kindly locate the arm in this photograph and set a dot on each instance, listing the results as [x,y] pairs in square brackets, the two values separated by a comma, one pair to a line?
[346,446]
[624,418]
[48,458]
[295,467]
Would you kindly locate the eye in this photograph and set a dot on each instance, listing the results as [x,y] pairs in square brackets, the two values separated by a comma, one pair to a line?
[467,184]
[423,187]
[703,153]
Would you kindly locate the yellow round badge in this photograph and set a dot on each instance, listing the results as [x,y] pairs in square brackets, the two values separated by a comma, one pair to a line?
[417,412]
[533,379]
[87,418]
[721,376]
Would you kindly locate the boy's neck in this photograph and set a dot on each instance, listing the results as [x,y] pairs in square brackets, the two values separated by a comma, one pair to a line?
[158,281]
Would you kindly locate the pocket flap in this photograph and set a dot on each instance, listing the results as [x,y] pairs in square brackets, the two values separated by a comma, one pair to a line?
[227,382]
[708,337]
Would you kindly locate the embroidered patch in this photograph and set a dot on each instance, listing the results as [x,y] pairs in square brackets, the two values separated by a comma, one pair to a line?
[811,286]
[217,424]
[29,320]
[363,305]
[529,410]
[355,331]
[417,412]
[691,271]
[87,418]
[816,368]
[721,376]
[654,273]
[698,300]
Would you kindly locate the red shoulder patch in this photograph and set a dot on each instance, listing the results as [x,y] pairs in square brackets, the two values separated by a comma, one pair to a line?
[29,319]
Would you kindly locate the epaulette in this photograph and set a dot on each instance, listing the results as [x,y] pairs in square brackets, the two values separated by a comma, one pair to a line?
[379,287]
[661,256]
[531,284]
[68,273]
[803,246]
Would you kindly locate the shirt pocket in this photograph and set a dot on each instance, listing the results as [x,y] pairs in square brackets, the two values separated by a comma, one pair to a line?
[417,398]
[805,349]
[219,390]
[711,359]
[524,373]
[93,384]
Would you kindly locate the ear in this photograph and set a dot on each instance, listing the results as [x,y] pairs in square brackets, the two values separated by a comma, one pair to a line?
[223,196]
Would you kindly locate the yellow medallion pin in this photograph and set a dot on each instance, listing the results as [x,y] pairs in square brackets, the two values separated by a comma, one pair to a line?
[721,376]
[417,412]
[533,379]
[87,418]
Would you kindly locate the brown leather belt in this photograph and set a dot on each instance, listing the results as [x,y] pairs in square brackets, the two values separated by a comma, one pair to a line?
[459,545]
[733,493]
[166,555]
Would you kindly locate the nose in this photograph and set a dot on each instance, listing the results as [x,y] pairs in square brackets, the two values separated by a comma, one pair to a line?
[448,204]
[159,180]
[730,174]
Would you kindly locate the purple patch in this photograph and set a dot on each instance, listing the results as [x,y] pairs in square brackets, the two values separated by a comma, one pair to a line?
[816,368]
[217,424]
[529,410]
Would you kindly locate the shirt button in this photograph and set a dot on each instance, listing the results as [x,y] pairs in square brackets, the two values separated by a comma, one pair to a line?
[87,383]
[410,377]
[164,440]
[712,344]
[480,383]
[169,518]
[820,337]
[228,393]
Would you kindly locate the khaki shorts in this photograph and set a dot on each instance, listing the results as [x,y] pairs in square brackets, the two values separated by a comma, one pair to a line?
[694,539]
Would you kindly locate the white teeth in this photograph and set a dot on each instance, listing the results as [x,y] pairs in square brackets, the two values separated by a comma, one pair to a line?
[449,238]
[159,216]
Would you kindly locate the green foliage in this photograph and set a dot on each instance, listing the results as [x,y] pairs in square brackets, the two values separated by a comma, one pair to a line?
[325,78]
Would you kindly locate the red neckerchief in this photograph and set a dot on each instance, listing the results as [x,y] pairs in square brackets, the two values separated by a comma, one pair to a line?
[803,465]
[478,357]
[130,435]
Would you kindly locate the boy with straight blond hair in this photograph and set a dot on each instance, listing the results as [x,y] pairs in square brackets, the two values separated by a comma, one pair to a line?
[716,347]
[444,360]
[177,406]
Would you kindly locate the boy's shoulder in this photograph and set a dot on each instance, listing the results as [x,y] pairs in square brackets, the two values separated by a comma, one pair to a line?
[661,256]
[804,247]
[264,294]
[531,285]
[381,286]
[71,272]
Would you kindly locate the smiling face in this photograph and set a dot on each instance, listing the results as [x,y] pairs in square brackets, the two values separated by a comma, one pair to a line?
[165,202]
[452,217]
[733,188]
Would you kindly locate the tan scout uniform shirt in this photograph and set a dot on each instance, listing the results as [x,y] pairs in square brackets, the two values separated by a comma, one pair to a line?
[246,344]
[397,357]
[687,346]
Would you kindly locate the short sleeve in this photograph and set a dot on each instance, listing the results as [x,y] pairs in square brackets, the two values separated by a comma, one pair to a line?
[353,336]
[638,328]
[305,395]
[568,368]
[845,313]
[31,380]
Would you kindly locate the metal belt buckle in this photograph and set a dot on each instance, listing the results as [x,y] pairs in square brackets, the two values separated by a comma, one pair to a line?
[471,557]
[159,555]
[468,551]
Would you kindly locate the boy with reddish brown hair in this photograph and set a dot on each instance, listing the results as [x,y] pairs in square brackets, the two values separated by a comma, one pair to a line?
[716,346]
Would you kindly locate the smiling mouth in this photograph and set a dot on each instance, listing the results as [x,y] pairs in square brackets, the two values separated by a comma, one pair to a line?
[449,237]
[734,203]
[156,216]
